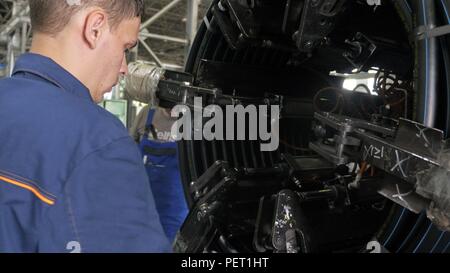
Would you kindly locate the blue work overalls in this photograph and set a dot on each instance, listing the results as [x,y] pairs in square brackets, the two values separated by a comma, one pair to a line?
[161,163]
[71,177]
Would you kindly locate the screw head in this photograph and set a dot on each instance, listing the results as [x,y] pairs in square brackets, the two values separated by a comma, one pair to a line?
[309,44]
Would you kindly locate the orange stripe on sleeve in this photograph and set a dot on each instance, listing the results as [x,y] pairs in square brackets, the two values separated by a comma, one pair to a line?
[25,186]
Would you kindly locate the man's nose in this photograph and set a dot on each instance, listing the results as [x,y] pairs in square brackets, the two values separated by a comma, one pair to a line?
[124,66]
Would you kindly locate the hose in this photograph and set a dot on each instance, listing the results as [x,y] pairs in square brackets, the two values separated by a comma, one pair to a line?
[142,82]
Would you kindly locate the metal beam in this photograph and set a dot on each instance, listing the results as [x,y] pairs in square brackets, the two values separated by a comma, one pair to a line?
[192,22]
[155,58]
[159,14]
[24,38]
[164,38]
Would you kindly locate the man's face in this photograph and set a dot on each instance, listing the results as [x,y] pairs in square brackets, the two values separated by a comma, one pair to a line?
[111,53]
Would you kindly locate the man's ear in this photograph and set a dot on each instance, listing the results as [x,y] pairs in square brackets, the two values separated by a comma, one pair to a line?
[95,25]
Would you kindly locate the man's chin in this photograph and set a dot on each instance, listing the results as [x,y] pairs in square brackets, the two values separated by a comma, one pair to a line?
[109,91]
[101,98]
[98,100]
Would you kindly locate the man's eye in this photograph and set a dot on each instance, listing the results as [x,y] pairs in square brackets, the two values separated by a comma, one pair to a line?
[127,51]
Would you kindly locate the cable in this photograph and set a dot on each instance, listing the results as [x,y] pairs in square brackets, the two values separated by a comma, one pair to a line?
[412,231]
[395,228]
[446,247]
[438,241]
[423,238]
[365,87]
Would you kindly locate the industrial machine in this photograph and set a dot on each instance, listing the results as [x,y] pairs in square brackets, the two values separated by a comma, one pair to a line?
[354,171]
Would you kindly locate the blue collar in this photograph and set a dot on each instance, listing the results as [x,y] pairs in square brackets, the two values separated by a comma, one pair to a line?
[50,71]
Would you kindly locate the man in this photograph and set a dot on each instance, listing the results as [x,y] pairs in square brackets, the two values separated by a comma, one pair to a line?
[71,178]
[152,132]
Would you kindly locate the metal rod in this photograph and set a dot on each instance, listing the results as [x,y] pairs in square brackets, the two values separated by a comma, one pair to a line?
[11,58]
[192,22]
[160,13]
[164,38]
[427,65]
[9,27]
[23,45]
[155,58]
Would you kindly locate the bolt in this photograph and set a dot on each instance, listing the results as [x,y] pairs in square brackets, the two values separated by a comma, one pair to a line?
[309,44]
[297,183]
